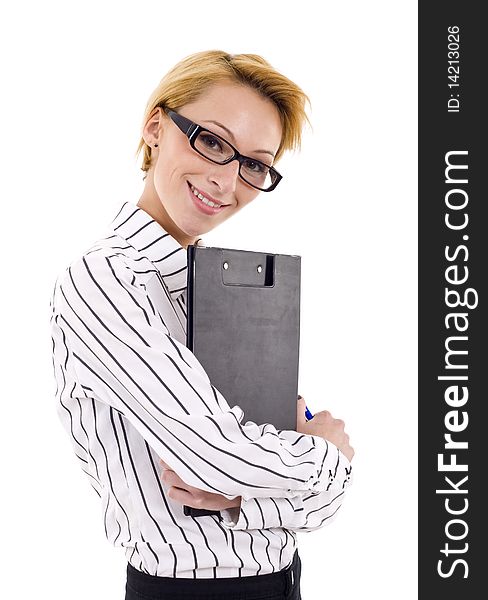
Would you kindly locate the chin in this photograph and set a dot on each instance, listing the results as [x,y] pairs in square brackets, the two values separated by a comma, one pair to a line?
[194,227]
[191,230]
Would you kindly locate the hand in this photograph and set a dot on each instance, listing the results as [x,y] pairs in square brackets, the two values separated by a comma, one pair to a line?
[181,492]
[324,425]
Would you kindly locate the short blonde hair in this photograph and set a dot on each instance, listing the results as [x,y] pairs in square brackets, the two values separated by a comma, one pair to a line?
[188,79]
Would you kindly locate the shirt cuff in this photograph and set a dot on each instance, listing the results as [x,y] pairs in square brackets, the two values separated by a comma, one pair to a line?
[333,466]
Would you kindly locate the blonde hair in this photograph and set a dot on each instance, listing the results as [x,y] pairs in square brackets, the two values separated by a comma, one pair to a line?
[188,79]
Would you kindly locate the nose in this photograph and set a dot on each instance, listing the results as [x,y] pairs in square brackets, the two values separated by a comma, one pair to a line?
[225,176]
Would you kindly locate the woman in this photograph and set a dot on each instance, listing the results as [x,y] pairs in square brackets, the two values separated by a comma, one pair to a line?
[150,430]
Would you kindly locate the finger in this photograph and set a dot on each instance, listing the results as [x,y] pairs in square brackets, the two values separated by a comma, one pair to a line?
[166,478]
[301,419]
[172,479]
[182,496]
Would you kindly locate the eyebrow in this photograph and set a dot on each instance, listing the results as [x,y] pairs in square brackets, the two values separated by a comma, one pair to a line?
[231,135]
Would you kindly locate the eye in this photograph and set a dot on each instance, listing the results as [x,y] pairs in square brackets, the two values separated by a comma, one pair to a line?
[211,142]
[254,166]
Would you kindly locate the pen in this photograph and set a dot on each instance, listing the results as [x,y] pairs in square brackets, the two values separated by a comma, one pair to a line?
[308,414]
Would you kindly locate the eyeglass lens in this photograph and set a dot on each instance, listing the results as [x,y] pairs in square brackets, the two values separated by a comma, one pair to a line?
[218,150]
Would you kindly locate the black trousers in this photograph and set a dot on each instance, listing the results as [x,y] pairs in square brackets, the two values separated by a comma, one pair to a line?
[283,585]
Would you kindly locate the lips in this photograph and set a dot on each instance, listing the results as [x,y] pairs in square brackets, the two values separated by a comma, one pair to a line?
[201,205]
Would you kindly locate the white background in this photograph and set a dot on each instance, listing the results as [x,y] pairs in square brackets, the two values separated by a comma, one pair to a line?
[75,81]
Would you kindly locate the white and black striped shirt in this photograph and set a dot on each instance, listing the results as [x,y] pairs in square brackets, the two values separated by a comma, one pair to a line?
[129,392]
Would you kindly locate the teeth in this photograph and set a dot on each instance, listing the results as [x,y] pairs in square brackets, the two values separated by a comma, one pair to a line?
[203,199]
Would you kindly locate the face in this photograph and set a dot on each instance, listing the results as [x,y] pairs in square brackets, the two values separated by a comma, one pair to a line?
[238,114]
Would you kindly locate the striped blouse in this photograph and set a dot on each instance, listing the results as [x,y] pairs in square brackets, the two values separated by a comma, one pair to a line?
[129,392]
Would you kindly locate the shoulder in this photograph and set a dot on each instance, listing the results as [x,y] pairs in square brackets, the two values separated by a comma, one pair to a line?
[105,268]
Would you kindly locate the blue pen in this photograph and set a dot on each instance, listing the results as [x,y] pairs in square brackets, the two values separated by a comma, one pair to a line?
[308,414]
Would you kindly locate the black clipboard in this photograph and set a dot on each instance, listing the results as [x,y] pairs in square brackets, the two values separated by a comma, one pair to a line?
[243,325]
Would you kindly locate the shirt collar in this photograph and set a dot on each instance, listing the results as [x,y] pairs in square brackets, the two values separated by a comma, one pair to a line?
[147,236]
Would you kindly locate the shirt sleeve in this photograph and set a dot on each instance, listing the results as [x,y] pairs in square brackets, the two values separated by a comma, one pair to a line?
[130,362]
[305,512]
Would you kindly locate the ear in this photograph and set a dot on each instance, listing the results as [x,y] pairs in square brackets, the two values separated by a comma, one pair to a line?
[154,126]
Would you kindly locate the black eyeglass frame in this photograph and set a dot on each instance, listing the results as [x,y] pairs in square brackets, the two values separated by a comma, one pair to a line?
[191,130]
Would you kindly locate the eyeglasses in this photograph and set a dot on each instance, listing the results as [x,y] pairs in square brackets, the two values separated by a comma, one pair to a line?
[211,146]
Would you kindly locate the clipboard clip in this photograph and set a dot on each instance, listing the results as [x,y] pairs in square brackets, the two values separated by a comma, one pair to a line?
[248,269]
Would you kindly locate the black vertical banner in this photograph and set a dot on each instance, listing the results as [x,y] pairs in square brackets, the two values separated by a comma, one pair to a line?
[453,269]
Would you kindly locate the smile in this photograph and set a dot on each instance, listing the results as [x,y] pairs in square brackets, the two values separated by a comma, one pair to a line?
[204,199]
